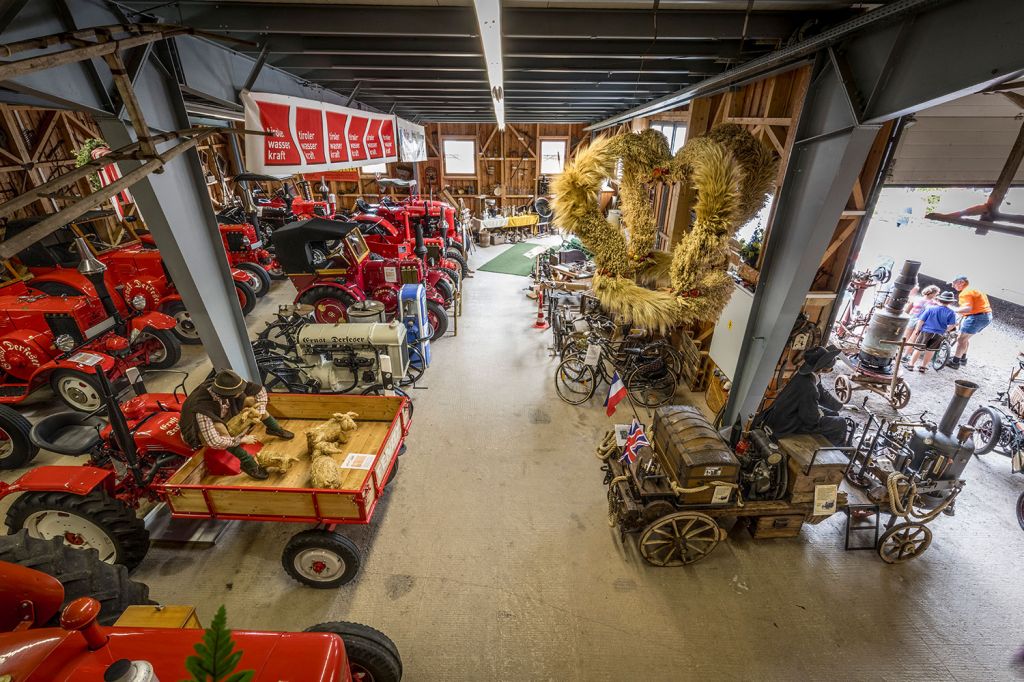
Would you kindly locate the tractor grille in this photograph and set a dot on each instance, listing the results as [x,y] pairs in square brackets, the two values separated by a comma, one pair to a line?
[61,323]
[236,242]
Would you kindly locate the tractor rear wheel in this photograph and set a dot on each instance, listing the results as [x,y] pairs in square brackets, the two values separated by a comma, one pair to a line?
[321,558]
[246,297]
[80,572]
[16,447]
[371,654]
[184,327]
[438,318]
[164,351]
[94,521]
[457,256]
[262,278]
[330,304]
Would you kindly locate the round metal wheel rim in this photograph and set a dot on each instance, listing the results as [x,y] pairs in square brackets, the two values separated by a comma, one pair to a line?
[158,352]
[6,444]
[903,542]
[901,395]
[653,392]
[679,539]
[570,379]
[184,325]
[329,310]
[982,430]
[78,392]
[78,532]
[318,564]
[843,389]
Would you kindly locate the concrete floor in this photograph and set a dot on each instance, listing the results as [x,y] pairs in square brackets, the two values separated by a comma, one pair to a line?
[491,558]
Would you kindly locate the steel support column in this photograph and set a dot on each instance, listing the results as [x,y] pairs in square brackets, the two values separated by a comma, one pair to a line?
[828,155]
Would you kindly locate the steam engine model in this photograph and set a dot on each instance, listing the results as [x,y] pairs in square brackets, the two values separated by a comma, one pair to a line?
[344,357]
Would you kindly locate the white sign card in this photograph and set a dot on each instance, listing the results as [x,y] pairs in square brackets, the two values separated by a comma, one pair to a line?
[825,499]
[357,461]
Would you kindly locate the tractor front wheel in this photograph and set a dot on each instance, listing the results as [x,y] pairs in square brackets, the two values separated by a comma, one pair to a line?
[184,327]
[78,390]
[330,304]
[163,350]
[371,654]
[16,448]
[321,558]
[438,318]
[459,258]
[246,297]
[94,521]
[261,278]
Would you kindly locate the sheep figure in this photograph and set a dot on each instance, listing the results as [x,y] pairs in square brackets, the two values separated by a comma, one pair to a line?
[243,421]
[275,460]
[334,430]
[324,473]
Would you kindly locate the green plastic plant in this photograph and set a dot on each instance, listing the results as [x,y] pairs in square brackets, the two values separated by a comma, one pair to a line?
[83,155]
[215,660]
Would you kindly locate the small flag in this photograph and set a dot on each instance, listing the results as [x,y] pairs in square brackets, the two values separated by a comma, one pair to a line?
[635,440]
[616,392]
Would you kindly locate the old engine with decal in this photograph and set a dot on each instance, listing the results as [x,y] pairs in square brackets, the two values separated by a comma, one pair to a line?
[350,356]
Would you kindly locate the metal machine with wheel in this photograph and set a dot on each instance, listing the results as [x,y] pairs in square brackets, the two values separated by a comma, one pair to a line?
[346,357]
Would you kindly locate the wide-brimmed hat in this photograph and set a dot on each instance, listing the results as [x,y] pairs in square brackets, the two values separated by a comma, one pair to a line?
[819,358]
[946,297]
[227,384]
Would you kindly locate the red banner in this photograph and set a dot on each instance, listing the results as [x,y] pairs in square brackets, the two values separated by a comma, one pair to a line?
[337,150]
[278,148]
[387,137]
[373,148]
[356,132]
[309,130]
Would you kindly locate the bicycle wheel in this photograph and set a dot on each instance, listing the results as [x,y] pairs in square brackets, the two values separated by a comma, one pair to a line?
[652,384]
[575,381]
[941,356]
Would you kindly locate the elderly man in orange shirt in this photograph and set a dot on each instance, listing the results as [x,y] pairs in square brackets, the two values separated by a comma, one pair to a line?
[977,314]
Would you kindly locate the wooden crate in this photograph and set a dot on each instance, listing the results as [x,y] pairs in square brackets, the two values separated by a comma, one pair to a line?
[828,468]
[779,526]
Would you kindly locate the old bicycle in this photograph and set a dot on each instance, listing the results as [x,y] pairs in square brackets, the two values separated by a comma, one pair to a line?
[648,378]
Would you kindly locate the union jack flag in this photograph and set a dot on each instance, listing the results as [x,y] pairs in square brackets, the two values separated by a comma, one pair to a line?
[635,439]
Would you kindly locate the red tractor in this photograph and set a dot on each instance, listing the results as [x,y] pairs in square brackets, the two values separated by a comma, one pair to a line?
[52,629]
[59,340]
[135,271]
[346,273]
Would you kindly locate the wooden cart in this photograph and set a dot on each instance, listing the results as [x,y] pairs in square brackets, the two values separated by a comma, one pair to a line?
[320,557]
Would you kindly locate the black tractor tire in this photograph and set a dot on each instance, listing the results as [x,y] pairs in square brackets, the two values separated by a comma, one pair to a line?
[172,348]
[246,298]
[455,277]
[177,310]
[80,572]
[125,530]
[55,288]
[316,293]
[446,289]
[987,444]
[454,245]
[457,256]
[1020,511]
[334,543]
[261,275]
[369,651]
[16,429]
[441,328]
[92,384]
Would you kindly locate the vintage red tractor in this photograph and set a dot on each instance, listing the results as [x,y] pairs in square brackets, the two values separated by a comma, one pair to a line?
[58,341]
[67,617]
[347,274]
[135,271]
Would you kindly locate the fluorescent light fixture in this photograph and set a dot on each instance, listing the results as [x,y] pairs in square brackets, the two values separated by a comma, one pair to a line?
[488,16]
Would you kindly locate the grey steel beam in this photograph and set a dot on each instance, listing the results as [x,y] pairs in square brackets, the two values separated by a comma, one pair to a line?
[455,21]
[310,66]
[829,152]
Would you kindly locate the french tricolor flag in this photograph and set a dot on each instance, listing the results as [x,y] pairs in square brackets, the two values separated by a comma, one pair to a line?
[616,392]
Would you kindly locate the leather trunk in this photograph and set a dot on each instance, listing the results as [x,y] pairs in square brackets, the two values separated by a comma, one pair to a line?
[695,454]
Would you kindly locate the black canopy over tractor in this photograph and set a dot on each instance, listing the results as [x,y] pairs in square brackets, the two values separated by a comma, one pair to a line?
[295,242]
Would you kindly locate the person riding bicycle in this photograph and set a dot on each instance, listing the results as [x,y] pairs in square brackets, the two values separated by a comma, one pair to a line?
[804,405]
[207,409]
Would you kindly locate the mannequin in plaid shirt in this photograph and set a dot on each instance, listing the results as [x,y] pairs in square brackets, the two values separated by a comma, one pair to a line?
[207,409]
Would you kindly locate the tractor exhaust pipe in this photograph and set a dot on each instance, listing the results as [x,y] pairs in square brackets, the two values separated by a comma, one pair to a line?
[93,269]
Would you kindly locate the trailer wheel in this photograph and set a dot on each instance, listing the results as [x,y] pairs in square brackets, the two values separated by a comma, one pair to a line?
[246,297]
[988,426]
[843,389]
[372,656]
[81,573]
[459,258]
[900,395]
[438,318]
[321,558]
[184,327]
[679,539]
[78,390]
[1020,511]
[94,521]
[330,304]
[166,349]
[16,447]
[392,473]
[262,278]
[903,542]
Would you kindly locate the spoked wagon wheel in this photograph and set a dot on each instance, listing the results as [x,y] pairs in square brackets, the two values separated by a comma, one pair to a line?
[679,539]
[900,395]
[94,521]
[321,558]
[903,542]
[843,389]
[988,427]
[575,381]
[372,656]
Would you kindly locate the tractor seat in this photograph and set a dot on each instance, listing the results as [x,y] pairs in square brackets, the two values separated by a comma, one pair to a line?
[67,433]
[365,207]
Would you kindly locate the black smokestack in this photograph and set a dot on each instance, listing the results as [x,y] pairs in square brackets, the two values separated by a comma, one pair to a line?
[962,392]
